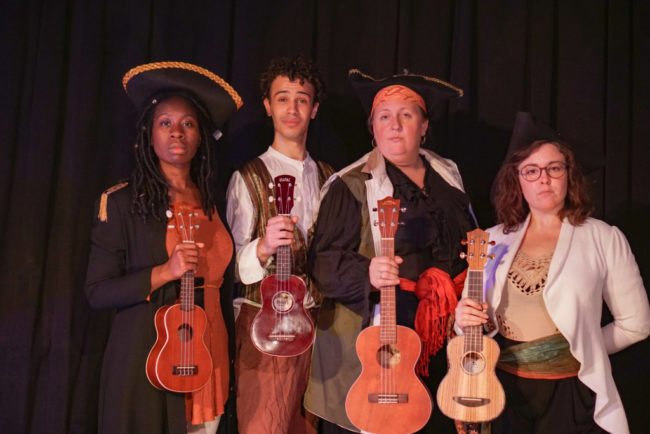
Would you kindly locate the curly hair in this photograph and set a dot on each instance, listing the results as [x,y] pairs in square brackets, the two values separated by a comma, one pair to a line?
[150,189]
[295,68]
[510,206]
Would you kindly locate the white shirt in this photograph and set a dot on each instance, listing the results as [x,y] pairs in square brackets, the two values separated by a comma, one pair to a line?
[240,210]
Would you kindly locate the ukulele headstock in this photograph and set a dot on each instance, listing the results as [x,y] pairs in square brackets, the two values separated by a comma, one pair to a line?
[477,242]
[388,216]
[284,185]
[183,214]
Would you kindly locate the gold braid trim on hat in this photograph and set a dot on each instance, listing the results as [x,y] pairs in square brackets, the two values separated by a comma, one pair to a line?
[433,79]
[189,67]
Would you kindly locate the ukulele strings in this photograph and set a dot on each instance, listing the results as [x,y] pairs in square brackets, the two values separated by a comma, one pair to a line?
[387,312]
[474,333]
[284,258]
[187,318]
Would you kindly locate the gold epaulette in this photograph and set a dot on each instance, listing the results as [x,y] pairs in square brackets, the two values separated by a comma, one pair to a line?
[103,201]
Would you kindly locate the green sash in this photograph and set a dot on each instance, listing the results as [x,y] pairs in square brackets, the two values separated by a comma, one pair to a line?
[544,358]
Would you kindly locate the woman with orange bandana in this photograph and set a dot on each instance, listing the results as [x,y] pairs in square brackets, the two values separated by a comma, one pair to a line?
[345,261]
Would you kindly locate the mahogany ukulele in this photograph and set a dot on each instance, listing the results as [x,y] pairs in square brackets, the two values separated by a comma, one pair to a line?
[282,327]
[388,397]
[179,361]
[471,392]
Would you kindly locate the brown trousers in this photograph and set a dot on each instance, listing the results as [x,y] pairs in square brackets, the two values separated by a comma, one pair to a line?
[269,389]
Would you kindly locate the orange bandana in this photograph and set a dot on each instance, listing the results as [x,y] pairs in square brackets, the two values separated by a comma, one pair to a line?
[397,91]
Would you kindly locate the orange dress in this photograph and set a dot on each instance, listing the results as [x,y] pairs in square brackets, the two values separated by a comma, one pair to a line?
[207,403]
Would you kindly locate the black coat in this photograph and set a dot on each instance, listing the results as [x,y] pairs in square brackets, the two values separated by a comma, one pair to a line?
[123,252]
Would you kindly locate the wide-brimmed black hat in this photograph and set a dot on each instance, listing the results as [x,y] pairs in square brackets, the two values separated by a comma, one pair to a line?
[433,90]
[219,98]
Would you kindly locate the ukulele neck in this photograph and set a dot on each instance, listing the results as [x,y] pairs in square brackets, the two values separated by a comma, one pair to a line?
[187,291]
[474,334]
[283,263]
[387,304]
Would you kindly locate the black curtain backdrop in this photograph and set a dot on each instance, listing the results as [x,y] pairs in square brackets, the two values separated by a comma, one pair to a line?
[67,130]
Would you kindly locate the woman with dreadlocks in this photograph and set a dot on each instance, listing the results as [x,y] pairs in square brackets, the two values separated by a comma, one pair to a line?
[138,255]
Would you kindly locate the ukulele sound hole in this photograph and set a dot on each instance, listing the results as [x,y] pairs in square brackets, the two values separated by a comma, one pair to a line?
[473,363]
[388,356]
[282,302]
[185,333]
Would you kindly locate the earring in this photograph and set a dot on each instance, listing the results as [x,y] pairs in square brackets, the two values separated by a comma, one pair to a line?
[373,143]
[423,139]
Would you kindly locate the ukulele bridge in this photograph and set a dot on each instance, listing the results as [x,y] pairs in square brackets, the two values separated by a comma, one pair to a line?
[468,401]
[388,398]
[282,337]
[185,371]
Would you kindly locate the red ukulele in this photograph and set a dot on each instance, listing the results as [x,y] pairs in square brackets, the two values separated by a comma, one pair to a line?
[388,397]
[470,391]
[282,327]
[179,361]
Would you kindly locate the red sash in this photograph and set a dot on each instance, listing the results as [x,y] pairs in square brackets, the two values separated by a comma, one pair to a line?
[438,295]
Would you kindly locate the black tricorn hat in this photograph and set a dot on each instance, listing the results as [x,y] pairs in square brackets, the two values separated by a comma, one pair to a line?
[433,90]
[219,98]
[527,130]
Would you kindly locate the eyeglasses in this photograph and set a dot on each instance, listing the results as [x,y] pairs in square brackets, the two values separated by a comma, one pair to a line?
[532,172]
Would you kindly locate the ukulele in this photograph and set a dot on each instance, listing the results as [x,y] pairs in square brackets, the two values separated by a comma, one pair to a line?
[282,327]
[388,397]
[471,392]
[179,360]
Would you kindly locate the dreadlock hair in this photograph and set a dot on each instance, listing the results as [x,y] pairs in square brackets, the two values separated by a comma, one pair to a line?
[150,188]
[295,68]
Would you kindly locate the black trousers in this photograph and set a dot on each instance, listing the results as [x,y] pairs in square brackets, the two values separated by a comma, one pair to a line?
[564,406]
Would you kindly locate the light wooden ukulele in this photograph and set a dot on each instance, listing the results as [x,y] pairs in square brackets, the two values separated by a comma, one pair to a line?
[470,391]
[282,327]
[388,397]
[179,361]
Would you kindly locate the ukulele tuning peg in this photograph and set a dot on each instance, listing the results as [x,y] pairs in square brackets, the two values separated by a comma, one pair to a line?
[374,209]
[400,223]
[375,223]
[492,243]
[270,185]
[463,242]
[169,214]
[403,209]
[491,256]
[270,198]
[463,255]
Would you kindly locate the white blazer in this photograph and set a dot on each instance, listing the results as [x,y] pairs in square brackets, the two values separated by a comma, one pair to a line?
[591,263]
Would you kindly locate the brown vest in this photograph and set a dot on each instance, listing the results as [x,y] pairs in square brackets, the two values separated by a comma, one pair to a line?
[260,186]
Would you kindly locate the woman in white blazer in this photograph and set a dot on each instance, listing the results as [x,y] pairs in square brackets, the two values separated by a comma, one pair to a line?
[553,267]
